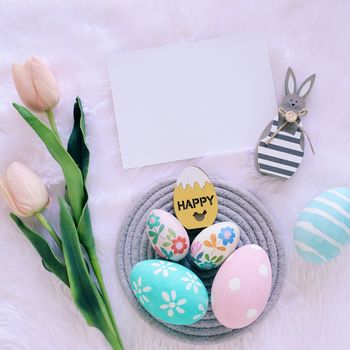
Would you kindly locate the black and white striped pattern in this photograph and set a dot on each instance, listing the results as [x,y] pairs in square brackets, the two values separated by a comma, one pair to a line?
[283,155]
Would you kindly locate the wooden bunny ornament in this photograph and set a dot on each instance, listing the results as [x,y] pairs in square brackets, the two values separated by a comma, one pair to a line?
[280,150]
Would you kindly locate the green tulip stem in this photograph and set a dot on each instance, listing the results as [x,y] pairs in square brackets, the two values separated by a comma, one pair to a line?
[97,270]
[116,343]
[52,121]
[41,218]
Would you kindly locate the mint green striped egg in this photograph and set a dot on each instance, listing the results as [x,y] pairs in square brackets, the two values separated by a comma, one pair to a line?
[323,227]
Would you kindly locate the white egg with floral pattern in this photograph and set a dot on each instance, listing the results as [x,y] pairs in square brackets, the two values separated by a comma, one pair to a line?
[169,291]
[214,245]
[167,235]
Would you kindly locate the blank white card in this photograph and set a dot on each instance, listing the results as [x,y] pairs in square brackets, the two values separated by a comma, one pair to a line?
[191,99]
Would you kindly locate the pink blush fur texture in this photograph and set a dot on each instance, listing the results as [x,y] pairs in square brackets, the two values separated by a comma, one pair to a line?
[311,37]
[242,287]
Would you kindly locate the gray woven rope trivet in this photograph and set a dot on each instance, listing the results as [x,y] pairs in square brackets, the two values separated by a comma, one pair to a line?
[235,205]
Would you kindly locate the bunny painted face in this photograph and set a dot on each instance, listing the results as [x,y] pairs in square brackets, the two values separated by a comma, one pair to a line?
[293,102]
[294,99]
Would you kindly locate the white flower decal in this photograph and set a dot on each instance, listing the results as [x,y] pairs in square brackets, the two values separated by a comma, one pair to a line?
[172,304]
[163,267]
[139,291]
[192,282]
[202,311]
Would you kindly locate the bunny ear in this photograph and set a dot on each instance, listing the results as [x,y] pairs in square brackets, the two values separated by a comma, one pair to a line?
[290,84]
[306,86]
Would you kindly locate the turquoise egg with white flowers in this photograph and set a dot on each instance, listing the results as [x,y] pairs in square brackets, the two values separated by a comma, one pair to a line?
[169,291]
[323,227]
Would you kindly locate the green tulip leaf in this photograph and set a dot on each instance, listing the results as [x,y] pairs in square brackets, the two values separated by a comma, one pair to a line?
[77,147]
[85,232]
[84,292]
[49,259]
[79,151]
[72,174]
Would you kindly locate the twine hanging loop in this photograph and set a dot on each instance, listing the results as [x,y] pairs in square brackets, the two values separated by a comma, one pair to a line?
[291,117]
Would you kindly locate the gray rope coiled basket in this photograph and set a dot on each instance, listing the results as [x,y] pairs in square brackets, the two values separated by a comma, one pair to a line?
[235,205]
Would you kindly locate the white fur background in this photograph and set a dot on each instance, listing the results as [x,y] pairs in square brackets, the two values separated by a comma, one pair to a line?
[75,38]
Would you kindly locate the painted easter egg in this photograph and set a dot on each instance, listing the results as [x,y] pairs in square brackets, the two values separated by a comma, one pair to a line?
[169,291]
[167,236]
[195,199]
[323,227]
[214,245]
[242,287]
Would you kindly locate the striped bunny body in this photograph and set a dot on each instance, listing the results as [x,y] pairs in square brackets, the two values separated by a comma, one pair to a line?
[280,149]
[282,156]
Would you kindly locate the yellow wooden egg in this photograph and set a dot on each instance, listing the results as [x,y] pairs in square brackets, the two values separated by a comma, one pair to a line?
[195,200]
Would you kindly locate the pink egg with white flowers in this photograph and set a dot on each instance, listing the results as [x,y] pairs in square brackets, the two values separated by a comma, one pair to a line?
[242,287]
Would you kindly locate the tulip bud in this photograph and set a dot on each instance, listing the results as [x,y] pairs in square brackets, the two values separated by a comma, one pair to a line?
[36,85]
[23,191]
